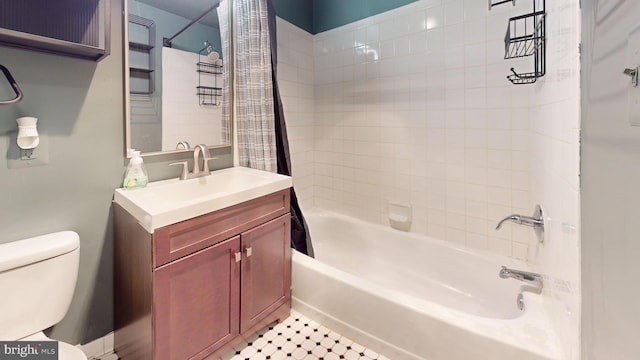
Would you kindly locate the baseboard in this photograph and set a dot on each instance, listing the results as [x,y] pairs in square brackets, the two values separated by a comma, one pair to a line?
[100,349]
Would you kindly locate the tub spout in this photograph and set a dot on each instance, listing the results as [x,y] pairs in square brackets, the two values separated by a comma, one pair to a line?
[532,279]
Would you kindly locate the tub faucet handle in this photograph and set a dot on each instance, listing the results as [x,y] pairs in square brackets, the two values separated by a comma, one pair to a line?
[522,220]
[535,221]
[513,218]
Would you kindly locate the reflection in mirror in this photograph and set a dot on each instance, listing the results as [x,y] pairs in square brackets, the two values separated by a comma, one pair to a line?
[176,75]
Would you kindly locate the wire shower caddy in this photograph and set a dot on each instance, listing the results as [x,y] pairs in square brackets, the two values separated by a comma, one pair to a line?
[493,3]
[526,36]
[208,95]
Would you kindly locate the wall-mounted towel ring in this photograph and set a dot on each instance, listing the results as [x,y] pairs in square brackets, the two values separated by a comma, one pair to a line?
[14,86]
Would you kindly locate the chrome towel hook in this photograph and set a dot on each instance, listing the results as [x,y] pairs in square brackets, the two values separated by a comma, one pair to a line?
[14,86]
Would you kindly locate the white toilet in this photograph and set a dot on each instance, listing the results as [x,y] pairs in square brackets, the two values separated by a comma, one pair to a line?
[38,277]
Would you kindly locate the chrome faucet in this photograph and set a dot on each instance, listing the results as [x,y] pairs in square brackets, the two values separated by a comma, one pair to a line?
[206,156]
[183,145]
[536,221]
[522,220]
[527,277]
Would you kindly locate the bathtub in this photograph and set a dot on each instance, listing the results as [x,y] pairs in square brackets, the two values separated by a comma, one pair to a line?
[412,297]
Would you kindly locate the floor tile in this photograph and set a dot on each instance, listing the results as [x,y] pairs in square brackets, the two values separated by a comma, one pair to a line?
[299,338]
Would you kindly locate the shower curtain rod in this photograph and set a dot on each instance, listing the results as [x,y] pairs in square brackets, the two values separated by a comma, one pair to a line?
[167,41]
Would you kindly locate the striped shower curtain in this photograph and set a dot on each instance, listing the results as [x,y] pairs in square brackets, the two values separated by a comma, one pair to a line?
[255,119]
[223,19]
[262,133]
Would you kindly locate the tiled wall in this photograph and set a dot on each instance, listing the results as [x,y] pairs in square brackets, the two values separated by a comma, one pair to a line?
[555,183]
[413,106]
[295,79]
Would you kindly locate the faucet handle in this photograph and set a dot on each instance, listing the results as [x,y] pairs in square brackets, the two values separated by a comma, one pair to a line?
[185,168]
[513,218]
[536,222]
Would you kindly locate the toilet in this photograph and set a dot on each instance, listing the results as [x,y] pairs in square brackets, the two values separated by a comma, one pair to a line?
[38,277]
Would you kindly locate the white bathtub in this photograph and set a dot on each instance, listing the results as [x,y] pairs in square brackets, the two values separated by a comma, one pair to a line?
[413,297]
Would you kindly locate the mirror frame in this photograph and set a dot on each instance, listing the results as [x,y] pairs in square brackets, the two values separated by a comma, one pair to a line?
[127,86]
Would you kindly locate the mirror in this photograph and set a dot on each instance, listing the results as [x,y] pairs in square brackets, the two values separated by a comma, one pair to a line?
[174,88]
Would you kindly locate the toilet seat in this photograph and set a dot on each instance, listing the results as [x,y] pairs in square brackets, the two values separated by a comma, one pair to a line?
[70,352]
[65,351]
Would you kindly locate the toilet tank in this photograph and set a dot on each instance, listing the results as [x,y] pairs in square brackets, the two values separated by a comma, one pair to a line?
[37,280]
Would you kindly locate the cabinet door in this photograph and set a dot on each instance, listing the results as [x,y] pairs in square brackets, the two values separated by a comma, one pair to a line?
[196,302]
[266,270]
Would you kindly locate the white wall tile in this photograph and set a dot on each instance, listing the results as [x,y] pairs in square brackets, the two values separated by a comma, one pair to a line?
[474,31]
[402,46]
[453,12]
[454,57]
[454,35]
[434,17]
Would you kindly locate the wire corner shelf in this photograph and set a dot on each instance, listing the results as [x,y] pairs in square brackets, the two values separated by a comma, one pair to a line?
[209,68]
[526,36]
[208,94]
[493,3]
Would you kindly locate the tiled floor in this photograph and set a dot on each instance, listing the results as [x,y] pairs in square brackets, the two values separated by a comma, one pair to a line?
[302,339]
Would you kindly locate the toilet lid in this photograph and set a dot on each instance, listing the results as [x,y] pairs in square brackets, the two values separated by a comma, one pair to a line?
[65,351]
[69,352]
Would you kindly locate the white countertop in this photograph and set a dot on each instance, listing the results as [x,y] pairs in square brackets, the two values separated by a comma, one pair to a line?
[166,202]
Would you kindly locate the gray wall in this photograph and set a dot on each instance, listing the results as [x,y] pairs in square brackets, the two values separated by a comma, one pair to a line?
[80,109]
[79,106]
[610,185]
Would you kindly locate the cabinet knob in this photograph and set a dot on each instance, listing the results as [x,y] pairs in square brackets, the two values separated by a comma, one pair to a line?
[249,251]
[238,256]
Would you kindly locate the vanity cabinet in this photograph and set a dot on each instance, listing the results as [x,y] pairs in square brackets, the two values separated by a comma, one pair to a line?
[193,289]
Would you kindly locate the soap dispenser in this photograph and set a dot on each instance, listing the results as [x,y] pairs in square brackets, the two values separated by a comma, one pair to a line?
[136,175]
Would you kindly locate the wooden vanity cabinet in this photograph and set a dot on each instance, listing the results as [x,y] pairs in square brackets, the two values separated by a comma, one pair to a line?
[192,290]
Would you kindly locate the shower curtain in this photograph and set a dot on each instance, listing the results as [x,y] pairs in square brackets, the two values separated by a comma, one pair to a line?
[223,19]
[262,133]
[254,88]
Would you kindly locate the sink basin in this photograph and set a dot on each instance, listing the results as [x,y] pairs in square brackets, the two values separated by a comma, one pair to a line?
[167,202]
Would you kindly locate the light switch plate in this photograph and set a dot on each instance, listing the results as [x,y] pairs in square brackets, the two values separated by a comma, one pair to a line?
[633,92]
